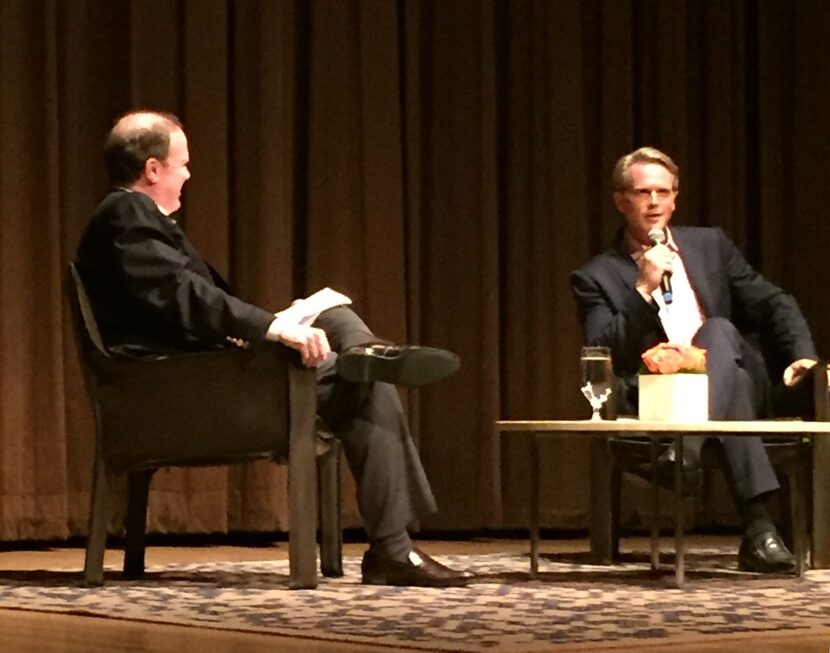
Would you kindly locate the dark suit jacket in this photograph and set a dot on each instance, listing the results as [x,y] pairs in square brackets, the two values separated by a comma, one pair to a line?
[614,314]
[150,289]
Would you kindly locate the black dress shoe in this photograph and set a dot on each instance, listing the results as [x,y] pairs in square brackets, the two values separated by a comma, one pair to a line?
[418,571]
[692,473]
[406,365]
[664,472]
[765,553]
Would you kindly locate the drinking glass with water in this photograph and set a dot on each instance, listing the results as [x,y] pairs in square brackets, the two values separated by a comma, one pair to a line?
[597,377]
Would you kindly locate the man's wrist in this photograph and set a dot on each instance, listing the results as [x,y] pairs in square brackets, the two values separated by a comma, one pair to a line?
[274,332]
[644,293]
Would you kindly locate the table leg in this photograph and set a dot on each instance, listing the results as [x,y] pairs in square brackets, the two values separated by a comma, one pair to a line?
[534,505]
[655,509]
[821,503]
[820,550]
[798,497]
[603,529]
[679,544]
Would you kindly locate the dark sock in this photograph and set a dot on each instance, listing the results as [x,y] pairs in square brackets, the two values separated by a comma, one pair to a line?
[396,547]
[755,516]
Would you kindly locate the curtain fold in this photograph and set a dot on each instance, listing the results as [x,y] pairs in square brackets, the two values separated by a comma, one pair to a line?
[446,164]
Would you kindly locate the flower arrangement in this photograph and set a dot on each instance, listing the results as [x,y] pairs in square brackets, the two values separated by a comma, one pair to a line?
[672,358]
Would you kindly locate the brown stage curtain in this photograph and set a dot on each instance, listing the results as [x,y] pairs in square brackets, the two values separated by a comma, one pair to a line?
[444,163]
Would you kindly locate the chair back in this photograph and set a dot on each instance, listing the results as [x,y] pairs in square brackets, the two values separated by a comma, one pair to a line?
[82,314]
[94,354]
[96,362]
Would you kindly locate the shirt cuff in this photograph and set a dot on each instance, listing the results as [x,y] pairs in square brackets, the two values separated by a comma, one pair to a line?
[274,330]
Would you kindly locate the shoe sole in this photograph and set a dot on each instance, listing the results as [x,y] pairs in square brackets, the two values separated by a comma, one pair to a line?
[783,569]
[413,368]
[377,580]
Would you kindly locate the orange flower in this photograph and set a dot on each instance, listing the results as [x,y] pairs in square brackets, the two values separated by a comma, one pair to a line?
[671,358]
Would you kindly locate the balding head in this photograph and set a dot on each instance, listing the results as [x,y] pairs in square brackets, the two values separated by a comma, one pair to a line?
[136,137]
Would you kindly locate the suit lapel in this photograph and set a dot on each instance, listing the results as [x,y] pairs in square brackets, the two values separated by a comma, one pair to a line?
[623,266]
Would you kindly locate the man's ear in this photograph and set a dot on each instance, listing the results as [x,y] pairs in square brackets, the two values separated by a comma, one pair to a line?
[619,196]
[152,167]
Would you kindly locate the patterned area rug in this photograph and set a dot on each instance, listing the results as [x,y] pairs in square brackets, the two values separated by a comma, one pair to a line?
[570,606]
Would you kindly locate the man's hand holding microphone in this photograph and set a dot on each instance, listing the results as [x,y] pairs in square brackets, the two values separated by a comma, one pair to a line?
[656,267]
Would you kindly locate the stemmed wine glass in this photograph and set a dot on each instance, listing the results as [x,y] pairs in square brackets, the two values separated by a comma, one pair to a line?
[597,377]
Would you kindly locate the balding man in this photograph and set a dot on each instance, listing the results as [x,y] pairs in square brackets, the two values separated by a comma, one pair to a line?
[152,293]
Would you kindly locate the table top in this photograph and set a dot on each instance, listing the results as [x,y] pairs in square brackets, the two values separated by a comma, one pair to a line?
[630,425]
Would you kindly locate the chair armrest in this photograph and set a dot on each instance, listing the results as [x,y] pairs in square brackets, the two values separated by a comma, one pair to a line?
[195,369]
[192,406]
[822,395]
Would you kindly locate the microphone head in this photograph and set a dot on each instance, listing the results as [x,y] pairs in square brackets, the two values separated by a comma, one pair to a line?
[657,236]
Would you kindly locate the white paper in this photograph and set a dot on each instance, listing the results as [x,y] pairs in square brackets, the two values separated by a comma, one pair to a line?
[305,311]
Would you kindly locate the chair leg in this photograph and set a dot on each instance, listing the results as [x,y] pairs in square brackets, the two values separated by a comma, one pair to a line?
[331,531]
[616,511]
[786,506]
[302,480]
[96,542]
[138,489]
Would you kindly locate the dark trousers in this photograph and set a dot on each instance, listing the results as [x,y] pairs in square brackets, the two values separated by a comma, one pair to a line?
[736,392]
[392,487]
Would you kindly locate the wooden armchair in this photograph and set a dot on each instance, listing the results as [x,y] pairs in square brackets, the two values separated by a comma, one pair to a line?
[212,408]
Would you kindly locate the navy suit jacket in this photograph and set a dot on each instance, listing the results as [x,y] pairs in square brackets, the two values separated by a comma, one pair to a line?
[150,290]
[615,315]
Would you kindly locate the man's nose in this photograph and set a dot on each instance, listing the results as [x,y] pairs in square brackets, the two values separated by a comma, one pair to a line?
[652,197]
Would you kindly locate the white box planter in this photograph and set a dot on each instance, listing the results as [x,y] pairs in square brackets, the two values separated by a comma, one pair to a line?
[678,398]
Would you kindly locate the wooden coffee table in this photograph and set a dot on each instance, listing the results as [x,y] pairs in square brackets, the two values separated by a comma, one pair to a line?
[599,431]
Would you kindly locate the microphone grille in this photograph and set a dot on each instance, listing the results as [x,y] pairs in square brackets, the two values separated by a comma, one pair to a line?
[657,236]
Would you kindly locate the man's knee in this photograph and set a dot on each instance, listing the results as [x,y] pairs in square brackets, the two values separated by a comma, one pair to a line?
[344,328]
[718,331]
[714,327]
[337,317]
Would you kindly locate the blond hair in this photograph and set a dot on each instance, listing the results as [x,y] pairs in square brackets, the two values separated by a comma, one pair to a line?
[621,178]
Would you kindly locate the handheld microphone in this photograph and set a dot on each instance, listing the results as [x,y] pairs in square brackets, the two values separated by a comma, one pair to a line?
[658,237]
